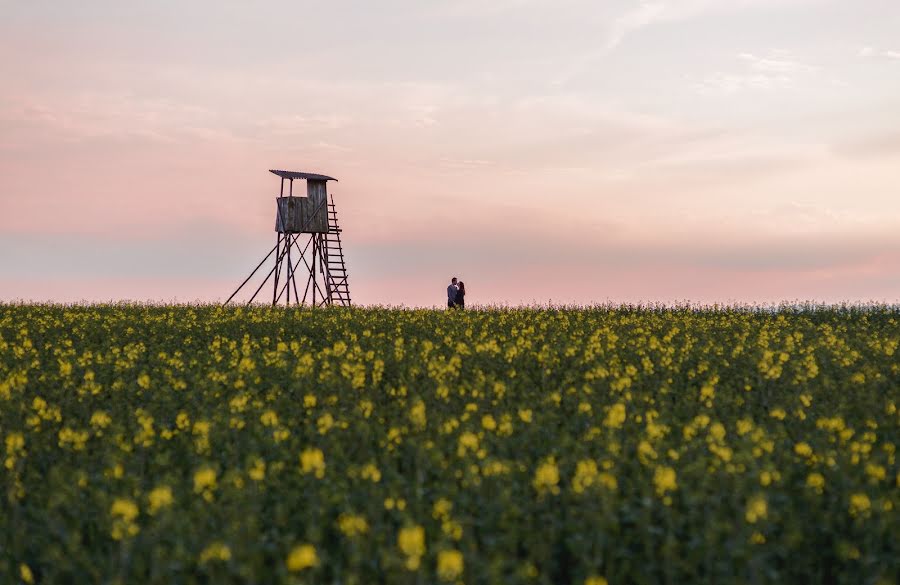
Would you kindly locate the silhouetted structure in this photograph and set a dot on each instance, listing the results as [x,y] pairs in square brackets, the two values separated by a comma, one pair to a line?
[308,234]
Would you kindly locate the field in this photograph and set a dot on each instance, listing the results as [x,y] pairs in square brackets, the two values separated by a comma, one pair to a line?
[195,444]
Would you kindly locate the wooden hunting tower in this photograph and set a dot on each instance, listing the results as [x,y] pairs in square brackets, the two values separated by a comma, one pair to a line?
[308,233]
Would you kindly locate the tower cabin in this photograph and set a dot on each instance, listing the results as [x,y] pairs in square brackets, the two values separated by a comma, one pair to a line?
[302,215]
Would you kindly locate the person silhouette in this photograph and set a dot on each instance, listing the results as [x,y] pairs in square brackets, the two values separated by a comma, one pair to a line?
[460,300]
[451,293]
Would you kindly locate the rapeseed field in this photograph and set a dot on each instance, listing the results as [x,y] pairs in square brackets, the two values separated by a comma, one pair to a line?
[199,444]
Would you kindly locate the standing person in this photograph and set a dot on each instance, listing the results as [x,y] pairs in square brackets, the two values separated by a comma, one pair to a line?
[460,295]
[451,293]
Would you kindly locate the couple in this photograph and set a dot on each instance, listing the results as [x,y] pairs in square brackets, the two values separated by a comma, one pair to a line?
[456,294]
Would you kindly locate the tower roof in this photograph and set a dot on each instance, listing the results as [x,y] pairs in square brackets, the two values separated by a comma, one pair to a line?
[301,175]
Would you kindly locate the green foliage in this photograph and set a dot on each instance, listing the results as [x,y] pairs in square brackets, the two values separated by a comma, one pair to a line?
[196,444]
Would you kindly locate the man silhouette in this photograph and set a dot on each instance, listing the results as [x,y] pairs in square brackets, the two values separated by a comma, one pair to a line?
[451,293]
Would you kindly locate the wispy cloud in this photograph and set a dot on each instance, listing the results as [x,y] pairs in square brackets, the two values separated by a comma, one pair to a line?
[870,52]
[649,12]
[776,69]
[777,62]
[638,17]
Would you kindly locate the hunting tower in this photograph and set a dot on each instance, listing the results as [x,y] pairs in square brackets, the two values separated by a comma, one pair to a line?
[308,243]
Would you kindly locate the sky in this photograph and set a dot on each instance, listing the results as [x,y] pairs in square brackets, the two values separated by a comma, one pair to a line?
[565,151]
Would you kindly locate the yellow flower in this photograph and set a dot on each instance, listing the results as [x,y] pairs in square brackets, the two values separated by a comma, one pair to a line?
[124,508]
[468,442]
[100,420]
[815,481]
[324,423]
[302,556]
[778,413]
[257,471]
[25,573]
[744,426]
[411,541]
[352,525]
[370,471]
[313,461]
[269,418]
[449,565]
[441,509]
[586,475]
[665,480]
[803,449]
[859,504]
[595,580]
[717,431]
[204,480]
[546,477]
[757,509]
[525,415]
[160,497]
[417,415]
[616,415]
[875,472]
[123,512]
[646,452]
[215,551]
[488,422]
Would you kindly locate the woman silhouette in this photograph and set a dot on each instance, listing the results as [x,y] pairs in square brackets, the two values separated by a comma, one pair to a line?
[461,295]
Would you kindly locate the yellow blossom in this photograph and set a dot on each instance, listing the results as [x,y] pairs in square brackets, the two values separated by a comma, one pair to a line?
[124,512]
[411,541]
[546,477]
[803,449]
[586,475]
[301,557]
[816,481]
[488,422]
[312,461]
[269,418]
[665,480]
[325,423]
[859,504]
[215,551]
[449,565]
[756,510]
[204,479]
[370,471]
[417,415]
[158,498]
[25,574]
[352,525]
[616,415]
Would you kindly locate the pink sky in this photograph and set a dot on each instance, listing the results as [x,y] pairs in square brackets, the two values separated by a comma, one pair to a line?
[727,151]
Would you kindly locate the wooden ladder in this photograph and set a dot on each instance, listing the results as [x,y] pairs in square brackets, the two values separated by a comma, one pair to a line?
[335,270]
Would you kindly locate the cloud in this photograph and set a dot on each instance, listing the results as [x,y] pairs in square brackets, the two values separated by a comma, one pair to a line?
[649,12]
[774,70]
[874,145]
[644,14]
[103,115]
[869,52]
[777,62]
